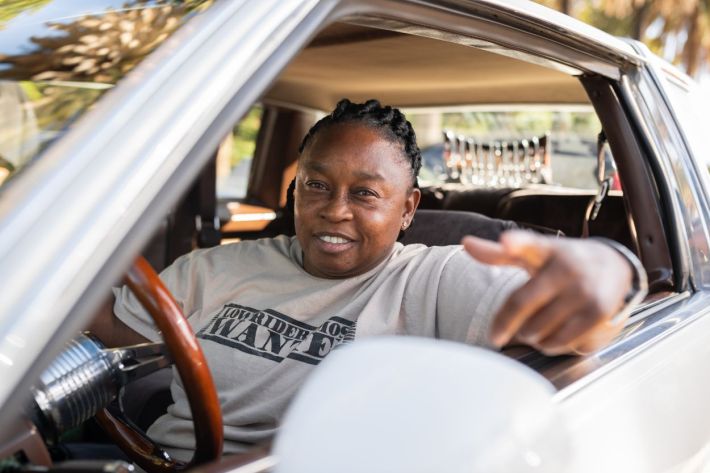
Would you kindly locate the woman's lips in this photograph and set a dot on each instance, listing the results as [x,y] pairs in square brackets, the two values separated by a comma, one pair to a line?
[333,243]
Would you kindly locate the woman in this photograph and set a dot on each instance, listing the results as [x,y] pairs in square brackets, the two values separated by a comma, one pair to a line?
[269,310]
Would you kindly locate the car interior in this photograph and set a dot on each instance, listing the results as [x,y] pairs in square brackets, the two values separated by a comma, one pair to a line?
[474,183]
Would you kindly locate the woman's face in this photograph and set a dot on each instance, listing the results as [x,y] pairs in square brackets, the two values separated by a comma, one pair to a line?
[353,194]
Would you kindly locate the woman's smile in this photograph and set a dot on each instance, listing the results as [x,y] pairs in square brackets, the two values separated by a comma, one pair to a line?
[333,242]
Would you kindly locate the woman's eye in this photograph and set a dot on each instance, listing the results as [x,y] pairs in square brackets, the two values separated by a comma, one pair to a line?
[365,193]
[315,185]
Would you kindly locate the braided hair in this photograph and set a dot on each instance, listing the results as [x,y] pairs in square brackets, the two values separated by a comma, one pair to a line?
[389,121]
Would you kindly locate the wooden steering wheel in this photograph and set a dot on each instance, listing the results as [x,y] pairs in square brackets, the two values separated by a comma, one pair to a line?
[194,372]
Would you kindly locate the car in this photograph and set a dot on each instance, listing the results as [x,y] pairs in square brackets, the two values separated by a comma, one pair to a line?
[156,127]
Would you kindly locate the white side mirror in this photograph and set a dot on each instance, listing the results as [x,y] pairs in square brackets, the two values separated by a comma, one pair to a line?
[405,404]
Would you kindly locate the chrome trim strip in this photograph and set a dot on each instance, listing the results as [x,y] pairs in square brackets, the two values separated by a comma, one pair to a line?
[258,466]
[571,374]
[516,26]
[667,184]
[550,366]
[557,23]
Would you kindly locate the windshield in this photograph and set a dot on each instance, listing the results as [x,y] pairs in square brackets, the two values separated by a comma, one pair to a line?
[57,57]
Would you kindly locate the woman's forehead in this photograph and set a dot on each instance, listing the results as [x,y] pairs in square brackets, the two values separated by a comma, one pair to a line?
[360,171]
[353,141]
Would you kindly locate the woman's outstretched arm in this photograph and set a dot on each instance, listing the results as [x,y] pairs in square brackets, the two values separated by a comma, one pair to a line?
[576,300]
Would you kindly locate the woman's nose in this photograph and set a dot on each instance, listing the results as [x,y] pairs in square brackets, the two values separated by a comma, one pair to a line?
[337,208]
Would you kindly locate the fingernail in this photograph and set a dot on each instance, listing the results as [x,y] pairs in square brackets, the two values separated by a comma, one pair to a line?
[554,351]
[498,338]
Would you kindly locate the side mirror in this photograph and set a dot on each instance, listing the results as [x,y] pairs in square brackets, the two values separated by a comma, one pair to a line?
[405,404]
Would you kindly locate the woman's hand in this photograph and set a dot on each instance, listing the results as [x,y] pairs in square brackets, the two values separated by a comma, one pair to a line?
[576,289]
[111,330]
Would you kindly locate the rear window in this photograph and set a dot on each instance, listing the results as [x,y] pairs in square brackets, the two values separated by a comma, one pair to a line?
[509,146]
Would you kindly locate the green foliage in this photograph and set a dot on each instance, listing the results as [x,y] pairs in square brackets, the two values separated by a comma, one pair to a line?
[612,25]
[515,124]
[58,106]
[9,9]
[245,134]
[676,30]
[31,90]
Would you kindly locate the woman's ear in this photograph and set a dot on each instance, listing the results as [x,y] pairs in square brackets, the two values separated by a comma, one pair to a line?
[411,204]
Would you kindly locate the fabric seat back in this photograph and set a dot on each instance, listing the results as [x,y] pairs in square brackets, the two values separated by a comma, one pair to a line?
[448,227]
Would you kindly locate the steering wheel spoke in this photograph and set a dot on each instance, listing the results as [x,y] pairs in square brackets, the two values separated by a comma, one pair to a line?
[138,361]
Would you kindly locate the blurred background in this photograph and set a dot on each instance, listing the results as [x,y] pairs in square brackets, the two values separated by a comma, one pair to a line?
[676,30]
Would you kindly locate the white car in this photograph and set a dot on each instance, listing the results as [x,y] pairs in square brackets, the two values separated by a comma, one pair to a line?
[117,120]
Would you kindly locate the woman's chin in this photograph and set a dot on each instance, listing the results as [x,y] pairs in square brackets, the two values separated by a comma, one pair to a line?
[331,267]
[330,271]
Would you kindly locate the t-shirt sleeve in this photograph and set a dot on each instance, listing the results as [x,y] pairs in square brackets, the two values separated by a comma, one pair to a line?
[180,278]
[469,295]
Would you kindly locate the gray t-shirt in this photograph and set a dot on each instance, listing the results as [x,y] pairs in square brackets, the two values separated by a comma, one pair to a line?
[264,323]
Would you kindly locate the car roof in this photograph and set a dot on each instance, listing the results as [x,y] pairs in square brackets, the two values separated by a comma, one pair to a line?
[358,62]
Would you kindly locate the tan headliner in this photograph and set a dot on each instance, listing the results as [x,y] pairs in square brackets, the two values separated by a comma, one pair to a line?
[405,70]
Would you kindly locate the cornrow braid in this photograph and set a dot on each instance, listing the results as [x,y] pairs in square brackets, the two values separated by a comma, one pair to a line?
[390,121]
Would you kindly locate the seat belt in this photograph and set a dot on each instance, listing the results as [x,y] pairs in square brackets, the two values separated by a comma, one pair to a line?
[605,182]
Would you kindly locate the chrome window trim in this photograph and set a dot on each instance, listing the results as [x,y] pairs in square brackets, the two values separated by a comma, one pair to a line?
[655,324]
[655,110]
[537,18]
[527,30]
[563,371]
[663,177]
[696,177]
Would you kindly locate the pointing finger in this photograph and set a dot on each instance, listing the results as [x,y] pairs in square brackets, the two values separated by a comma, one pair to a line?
[488,252]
